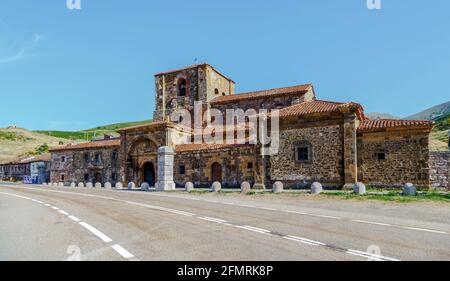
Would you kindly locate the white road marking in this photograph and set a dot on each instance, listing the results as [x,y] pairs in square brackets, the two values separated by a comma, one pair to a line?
[119,249]
[426,230]
[75,219]
[268,209]
[124,253]
[96,232]
[327,217]
[370,256]
[296,212]
[304,240]
[253,229]
[247,206]
[371,222]
[212,219]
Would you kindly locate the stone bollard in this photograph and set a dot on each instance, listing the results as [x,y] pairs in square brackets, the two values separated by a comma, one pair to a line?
[145,187]
[89,185]
[316,188]
[278,187]
[44,183]
[80,184]
[73,185]
[98,185]
[216,187]
[245,187]
[189,186]
[359,188]
[108,185]
[61,184]
[131,186]
[409,190]
[119,185]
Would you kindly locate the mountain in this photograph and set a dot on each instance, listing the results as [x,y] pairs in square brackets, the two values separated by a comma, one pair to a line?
[380,115]
[18,142]
[432,113]
[88,134]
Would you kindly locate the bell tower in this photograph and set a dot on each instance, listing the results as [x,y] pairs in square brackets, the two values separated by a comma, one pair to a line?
[181,88]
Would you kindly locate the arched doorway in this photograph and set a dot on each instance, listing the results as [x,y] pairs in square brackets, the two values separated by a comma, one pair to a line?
[97,178]
[216,172]
[148,171]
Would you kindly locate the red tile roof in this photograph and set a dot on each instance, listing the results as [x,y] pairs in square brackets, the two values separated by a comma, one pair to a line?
[206,147]
[383,124]
[302,89]
[317,106]
[87,145]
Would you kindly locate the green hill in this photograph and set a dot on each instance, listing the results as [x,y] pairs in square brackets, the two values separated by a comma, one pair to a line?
[88,134]
[432,113]
[18,142]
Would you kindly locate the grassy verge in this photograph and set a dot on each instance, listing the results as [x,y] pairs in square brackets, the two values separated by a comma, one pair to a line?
[372,194]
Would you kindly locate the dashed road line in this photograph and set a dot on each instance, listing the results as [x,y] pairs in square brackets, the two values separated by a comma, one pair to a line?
[425,230]
[119,249]
[371,222]
[370,256]
[96,232]
[124,253]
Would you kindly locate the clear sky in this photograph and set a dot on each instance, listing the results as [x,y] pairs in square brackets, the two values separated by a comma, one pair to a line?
[75,69]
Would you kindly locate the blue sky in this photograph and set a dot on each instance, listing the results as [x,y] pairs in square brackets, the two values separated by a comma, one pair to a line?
[75,69]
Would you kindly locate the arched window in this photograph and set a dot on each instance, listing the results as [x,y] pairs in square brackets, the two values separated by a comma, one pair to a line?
[182,87]
[223,94]
[216,91]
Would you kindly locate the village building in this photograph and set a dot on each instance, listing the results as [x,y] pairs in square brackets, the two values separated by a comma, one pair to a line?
[33,169]
[330,142]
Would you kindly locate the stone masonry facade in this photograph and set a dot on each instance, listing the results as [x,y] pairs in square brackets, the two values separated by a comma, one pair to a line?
[440,169]
[330,142]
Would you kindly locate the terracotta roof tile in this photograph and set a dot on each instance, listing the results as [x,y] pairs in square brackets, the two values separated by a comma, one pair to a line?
[206,147]
[263,94]
[318,106]
[382,124]
[87,145]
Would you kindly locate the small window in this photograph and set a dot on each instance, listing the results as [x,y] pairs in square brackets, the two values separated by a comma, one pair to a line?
[223,94]
[182,87]
[62,177]
[114,155]
[63,159]
[86,177]
[303,151]
[114,176]
[86,157]
[97,158]
[182,170]
[381,156]
[216,91]
[250,165]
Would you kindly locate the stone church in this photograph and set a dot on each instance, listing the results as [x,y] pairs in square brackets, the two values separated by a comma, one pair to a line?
[326,141]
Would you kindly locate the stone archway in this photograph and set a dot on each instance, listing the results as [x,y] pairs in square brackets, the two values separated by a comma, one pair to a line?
[216,172]
[148,174]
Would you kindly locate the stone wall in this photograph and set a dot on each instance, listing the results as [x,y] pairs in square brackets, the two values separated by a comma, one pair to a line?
[234,164]
[201,84]
[406,158]
[440,169]
[326,165]
[82,166]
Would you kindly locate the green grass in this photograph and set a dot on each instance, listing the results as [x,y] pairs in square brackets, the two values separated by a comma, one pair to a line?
[88,134]
[13,136]
[392,196]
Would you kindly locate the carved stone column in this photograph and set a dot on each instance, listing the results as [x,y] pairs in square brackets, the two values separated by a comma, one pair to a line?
[350,150]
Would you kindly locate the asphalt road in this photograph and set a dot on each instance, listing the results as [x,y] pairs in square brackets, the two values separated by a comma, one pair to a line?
[56,223]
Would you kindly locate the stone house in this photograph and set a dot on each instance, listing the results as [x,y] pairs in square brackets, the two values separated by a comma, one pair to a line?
[326,141]
[35,169]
